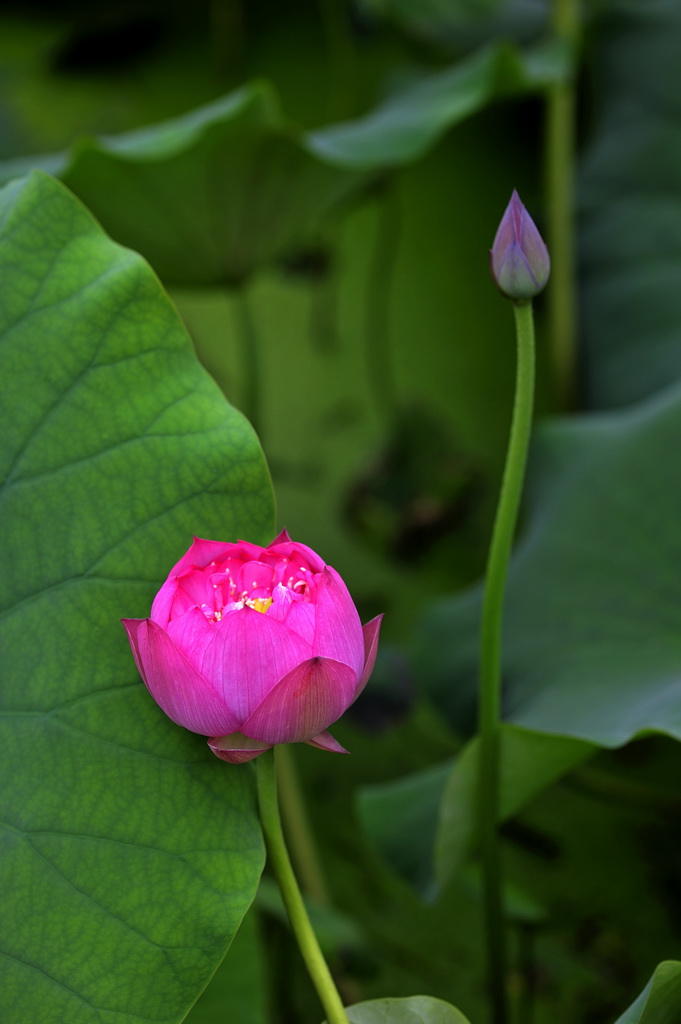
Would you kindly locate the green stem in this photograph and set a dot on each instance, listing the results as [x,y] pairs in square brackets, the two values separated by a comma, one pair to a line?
[281,865]
[490,659]
[527,970]
[250,358]
[297,824]
[559,167]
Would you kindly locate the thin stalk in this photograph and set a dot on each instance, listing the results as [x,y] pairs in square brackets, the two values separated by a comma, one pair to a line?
[490,660]
[293,901]
[560,172]
[250,358]
[527,969]
[298,830]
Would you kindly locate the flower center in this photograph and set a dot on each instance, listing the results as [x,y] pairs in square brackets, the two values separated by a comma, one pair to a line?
[232,584]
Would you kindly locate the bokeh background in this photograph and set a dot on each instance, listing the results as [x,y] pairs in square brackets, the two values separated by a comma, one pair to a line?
[385,364]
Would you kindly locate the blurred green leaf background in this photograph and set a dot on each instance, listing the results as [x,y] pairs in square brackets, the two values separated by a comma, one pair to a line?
[317,185]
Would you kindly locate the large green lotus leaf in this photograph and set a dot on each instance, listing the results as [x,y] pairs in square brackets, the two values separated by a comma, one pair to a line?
[208,197]
[400,817]
[412,1010]
[453,24]
[592,645]
[410,122]
[129,853]
[238,990]
[660,1001]
[425,824]
[530,761]
[630,216]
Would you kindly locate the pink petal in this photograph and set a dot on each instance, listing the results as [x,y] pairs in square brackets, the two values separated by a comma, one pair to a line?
[237,748]
[371,631]
[298,614]
[281,538]
[196,586]
[247,655]
[200,554]
[247,552]
[282,598]
[191,633]
[163,602]
[325,741]
[179,594]
[300,554]
[302,619]
[131,628]
[176,686]
[338,631]
[304,703]
[255,578]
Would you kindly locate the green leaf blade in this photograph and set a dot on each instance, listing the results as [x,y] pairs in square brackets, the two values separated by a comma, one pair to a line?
[630,222]
[529,763]
[592,648]
[660,1001]
[409,1010]
[411,122]
[132,854]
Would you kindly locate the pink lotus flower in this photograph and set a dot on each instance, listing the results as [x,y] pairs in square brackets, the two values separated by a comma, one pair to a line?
[254,646]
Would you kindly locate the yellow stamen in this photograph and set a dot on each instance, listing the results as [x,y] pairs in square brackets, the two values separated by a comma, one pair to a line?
[260,604]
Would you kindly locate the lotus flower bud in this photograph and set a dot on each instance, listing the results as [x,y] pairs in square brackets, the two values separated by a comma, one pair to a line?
[254,646]
[519,259]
